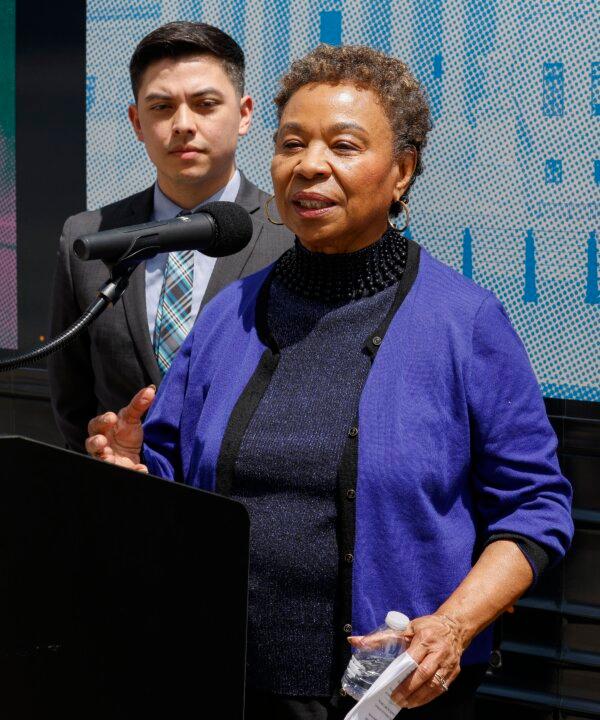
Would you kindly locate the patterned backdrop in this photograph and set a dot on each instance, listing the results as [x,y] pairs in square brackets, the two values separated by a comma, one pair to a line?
[510,193]
[8,209]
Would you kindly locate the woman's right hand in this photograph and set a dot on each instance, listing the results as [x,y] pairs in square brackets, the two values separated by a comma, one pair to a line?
[118,438]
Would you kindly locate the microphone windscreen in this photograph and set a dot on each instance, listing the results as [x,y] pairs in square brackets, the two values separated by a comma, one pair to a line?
[234,228]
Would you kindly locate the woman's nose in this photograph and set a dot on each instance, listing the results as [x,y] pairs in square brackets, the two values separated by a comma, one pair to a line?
[312,163]
[183,120]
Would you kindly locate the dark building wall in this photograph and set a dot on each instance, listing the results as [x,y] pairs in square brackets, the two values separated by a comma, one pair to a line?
[549,661]
[50,148]
[25,406]
[51,185]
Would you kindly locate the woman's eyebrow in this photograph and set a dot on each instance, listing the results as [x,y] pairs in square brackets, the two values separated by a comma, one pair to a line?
[347,125]
[336,127]
[290,127]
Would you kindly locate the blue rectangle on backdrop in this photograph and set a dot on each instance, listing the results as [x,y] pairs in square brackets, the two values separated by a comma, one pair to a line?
[595,89]
[554,172]
[331,27]
[553,89]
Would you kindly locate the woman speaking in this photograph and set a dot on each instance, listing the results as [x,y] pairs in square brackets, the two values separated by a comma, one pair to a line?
[373,409]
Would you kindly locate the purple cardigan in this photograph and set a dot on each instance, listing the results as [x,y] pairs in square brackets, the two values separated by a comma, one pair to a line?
[454,441]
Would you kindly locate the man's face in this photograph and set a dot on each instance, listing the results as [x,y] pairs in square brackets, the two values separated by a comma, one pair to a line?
[189,116]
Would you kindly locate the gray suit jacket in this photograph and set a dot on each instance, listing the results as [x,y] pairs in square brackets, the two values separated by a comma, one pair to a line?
[110,361]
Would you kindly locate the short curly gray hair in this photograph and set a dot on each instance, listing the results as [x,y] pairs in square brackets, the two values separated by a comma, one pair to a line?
[402,96]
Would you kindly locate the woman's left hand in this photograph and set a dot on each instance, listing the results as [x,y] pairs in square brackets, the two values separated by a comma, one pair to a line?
[436,642]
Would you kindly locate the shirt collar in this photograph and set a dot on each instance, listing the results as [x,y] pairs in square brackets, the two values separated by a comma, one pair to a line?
[165,209]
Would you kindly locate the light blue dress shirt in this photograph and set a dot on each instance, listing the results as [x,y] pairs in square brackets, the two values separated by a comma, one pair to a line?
[165,209]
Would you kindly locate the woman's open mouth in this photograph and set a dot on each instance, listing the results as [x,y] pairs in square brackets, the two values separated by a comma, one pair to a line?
[308,207]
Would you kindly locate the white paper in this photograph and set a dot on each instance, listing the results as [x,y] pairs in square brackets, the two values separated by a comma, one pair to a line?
[376,703]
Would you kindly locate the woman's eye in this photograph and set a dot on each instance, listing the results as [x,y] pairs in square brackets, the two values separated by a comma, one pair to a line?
[345,146]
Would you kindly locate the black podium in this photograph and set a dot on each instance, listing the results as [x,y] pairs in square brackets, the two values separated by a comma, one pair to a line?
[121,595]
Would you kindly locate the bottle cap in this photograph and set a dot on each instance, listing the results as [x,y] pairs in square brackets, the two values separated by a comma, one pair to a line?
[396,620]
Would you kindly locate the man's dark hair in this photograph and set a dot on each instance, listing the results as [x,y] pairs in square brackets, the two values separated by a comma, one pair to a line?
[183,39]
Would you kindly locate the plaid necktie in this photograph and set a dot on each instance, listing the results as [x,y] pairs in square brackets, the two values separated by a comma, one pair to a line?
[174,312]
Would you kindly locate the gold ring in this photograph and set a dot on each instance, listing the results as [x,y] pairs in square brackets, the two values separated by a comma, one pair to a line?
[441,682]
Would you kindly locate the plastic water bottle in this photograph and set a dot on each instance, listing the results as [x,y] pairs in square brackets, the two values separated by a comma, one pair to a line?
[381,647]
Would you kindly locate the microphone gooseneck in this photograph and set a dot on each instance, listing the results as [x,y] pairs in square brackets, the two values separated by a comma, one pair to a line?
[217,230]
[96,308]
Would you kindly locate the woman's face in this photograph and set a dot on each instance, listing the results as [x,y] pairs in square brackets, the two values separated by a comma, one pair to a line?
[334,170]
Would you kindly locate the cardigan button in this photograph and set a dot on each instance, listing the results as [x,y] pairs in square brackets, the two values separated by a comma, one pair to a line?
[348,557]
[377,341]
[351,494]
[347,628]
[353,432]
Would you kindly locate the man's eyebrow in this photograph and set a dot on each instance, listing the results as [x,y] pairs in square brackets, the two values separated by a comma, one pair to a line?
[208,91]
[156,96]
[199,93]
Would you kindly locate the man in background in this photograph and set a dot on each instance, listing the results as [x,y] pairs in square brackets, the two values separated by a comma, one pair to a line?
[190,108]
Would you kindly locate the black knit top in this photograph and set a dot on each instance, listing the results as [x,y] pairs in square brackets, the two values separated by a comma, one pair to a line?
[320,310]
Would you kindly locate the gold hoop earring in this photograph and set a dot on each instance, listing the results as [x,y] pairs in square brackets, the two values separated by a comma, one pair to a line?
[266,209]
[394,214]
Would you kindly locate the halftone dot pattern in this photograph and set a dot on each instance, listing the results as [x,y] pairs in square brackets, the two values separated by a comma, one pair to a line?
[8,198]
[509,194]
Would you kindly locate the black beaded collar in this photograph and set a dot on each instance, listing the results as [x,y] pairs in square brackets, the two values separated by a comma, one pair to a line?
[345,276]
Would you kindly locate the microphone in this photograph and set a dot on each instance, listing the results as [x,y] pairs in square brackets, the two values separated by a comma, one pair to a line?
[218,229]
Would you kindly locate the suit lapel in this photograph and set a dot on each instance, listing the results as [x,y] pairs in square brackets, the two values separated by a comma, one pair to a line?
[134,299]
[227,269]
